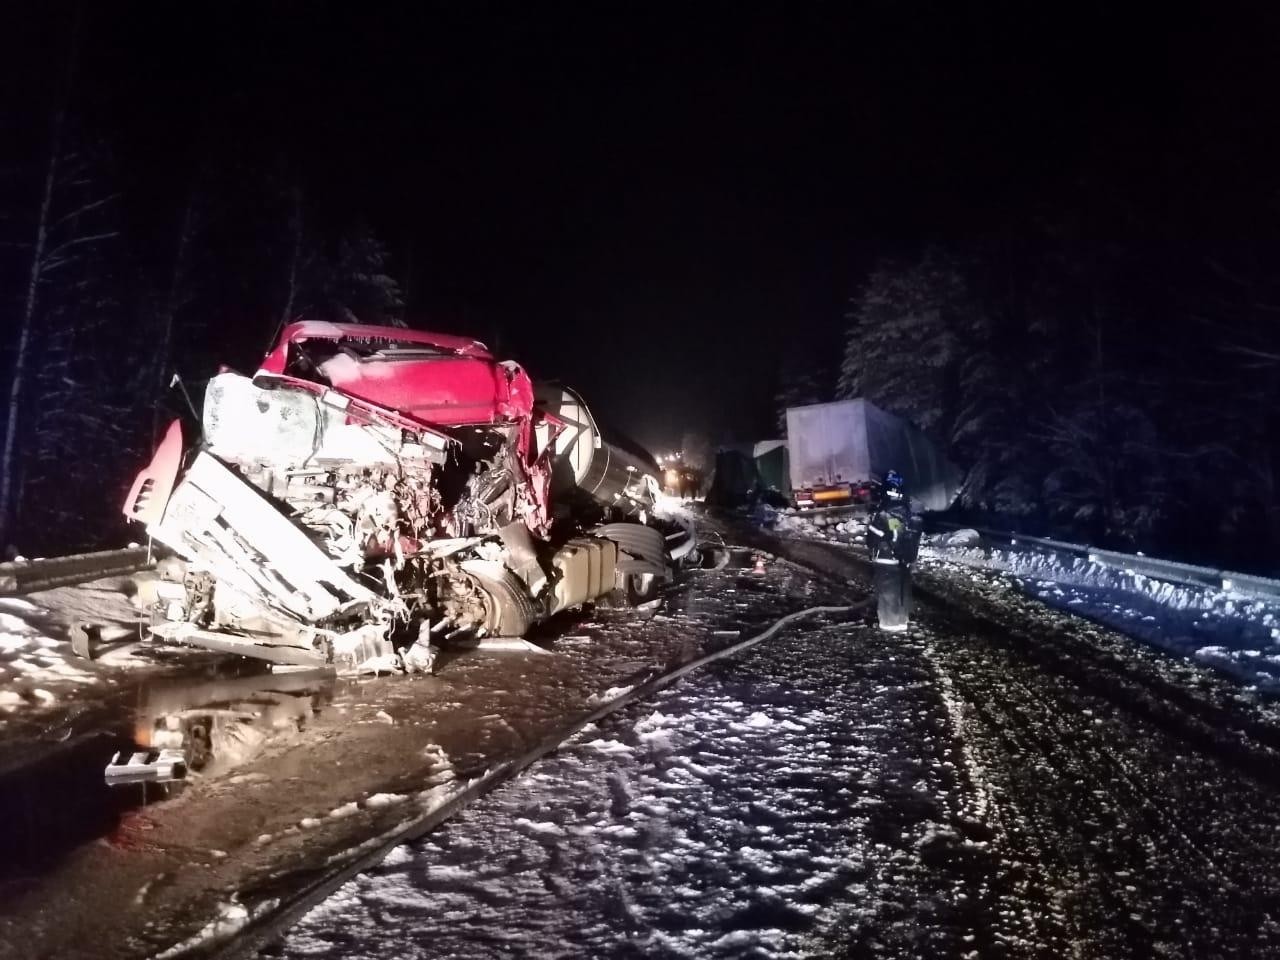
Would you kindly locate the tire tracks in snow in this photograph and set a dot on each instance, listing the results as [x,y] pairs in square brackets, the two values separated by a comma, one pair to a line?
[1135,816]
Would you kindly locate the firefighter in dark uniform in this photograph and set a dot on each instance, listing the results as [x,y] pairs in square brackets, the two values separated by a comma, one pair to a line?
[893,540]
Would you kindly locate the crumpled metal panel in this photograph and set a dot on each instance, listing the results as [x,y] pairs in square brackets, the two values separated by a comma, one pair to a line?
[440,379]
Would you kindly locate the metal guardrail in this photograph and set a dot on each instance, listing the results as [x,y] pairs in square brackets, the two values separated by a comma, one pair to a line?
[29,576]
[1172,571]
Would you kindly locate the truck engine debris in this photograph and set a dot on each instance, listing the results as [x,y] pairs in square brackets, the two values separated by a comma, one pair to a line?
[374,491]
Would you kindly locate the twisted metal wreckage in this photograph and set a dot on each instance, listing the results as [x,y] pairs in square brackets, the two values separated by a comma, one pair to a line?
[374,490]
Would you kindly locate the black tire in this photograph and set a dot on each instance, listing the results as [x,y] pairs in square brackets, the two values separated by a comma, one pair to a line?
[510,609]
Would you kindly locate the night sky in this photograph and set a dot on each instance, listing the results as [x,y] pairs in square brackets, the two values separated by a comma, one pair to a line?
[654,203]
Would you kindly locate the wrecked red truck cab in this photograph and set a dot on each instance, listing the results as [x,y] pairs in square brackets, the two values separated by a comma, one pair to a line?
[374,491]
[433,377]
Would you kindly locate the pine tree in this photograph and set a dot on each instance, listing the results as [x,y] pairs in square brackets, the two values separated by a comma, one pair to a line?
[58,391]
[351,285]
[1234,408]
[169,303]
[45,250]
[1006,354]
[803,378]
[1107,475]
[901,350]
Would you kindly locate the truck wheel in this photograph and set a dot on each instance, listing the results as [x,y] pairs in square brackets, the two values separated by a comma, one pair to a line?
[510,612]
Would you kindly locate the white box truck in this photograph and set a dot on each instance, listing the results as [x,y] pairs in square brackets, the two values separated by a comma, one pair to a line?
[838,450]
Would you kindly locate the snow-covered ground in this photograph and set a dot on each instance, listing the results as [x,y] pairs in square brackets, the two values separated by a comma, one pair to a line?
[835,791]
[1028,785]
[1232,632]
[37,667]
[29,659]
[738,814]
[1228,630]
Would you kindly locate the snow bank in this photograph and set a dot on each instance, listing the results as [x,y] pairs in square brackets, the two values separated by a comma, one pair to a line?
[1228,630]
[608,696]
[1234,633]
[38,668]
[31,660]
[231,918]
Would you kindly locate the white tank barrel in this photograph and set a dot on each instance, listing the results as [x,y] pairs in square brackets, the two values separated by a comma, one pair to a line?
[604,467]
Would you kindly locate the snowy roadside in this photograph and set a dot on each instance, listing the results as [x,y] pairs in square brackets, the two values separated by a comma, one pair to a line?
[39,672]
[305,781]
[30,659]
[1226,630]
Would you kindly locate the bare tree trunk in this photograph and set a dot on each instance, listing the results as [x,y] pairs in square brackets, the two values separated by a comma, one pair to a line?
[410,278]
[173,302]
[1265,451]
[295,261]
[1106,457]
[23,350]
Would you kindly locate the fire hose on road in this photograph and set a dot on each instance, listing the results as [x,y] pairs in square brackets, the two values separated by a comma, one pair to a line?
[265,924]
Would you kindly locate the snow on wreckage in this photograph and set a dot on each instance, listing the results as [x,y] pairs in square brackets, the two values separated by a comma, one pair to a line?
[373,491]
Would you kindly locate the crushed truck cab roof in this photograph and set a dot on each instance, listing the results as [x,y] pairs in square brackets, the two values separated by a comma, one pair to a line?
[434,377]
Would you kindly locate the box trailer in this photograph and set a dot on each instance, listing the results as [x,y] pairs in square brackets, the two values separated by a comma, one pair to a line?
[837,450]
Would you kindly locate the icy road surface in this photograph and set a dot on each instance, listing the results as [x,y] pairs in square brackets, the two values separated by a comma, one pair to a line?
[761,807]
[1003,781]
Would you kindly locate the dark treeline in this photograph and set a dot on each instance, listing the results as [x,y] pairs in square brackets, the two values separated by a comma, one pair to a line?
[1060,235]
[1121,387]
[1098,342]
[118,304]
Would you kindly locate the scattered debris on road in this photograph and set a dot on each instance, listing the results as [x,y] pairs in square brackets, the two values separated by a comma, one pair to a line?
[158,766]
